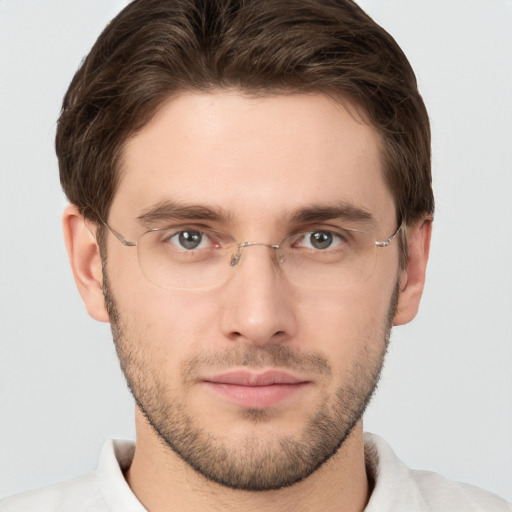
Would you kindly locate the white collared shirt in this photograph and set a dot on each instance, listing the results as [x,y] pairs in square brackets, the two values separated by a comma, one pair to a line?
[396,487]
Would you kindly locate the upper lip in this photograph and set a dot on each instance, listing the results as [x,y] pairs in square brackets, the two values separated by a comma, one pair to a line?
[247,378]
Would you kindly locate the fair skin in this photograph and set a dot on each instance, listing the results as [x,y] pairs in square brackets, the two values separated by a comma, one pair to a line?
[260,160]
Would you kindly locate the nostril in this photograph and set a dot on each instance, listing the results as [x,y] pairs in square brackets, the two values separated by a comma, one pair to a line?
[278,337]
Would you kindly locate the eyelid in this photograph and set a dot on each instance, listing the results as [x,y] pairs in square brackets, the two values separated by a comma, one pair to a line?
[335,230]
[212,234]
[188,227]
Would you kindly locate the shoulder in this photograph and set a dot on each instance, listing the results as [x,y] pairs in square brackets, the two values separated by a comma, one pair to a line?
[80,494]
[438,492]
[398,488]
[99,491]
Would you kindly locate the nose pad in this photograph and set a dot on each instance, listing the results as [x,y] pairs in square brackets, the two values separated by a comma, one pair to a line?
[235,259]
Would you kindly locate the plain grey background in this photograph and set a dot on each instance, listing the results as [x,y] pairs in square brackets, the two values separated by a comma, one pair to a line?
[445,400]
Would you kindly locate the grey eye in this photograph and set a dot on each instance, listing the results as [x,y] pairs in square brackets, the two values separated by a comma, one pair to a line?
[321,239]
[190,239]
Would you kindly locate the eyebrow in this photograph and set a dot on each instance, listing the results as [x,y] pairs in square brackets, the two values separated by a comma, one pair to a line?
[340,211]
[166,211]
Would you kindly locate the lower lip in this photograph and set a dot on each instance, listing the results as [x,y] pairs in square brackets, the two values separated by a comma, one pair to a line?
[256,397]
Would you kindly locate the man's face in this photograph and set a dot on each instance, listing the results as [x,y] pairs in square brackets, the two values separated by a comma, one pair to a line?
[255,382]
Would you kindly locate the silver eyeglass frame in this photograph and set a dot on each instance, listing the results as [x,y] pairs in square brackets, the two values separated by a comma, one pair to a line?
[235,259]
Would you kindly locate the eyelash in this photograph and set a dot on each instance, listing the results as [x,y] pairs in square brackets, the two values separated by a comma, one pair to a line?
[338,236]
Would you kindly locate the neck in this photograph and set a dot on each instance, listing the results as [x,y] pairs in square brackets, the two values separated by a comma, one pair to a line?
[162,481]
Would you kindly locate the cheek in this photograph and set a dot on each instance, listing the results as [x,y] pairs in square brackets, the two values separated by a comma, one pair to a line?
[346,325]
[166,324]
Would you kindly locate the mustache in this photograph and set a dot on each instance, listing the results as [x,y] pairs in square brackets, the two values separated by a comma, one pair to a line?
[272,355]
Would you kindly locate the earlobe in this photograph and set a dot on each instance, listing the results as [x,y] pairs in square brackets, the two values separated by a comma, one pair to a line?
[412,279]
[85,260]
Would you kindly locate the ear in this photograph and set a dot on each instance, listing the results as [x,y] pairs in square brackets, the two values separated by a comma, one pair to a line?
[84,256]
[412,279]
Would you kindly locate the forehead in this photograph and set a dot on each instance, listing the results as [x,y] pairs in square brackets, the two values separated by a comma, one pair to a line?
[254,157]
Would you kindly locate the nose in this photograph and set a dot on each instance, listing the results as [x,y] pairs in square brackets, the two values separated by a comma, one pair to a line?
[257,301]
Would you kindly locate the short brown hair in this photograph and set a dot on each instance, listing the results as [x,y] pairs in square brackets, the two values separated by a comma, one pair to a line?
[155,48]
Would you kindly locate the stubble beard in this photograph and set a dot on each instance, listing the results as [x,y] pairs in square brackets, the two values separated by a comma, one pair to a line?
[251,464]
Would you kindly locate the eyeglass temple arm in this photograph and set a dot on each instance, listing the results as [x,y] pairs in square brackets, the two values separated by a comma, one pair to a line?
[120,237]
[386,242]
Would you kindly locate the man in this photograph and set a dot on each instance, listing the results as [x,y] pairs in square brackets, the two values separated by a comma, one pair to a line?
[251,210]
